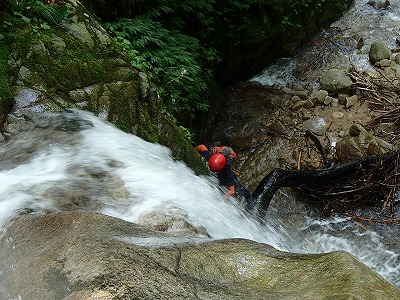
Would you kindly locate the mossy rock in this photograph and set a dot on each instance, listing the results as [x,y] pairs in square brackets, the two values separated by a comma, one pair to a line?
[76,64]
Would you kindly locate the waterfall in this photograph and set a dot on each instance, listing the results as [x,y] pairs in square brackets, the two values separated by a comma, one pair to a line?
[79,156]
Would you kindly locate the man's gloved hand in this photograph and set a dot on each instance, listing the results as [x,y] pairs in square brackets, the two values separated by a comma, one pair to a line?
[230,192]
[200,148]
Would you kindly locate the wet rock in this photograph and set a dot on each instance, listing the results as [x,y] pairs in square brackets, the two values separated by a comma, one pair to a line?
[335,102]
[246,142]
[304,114]
[277,128]
[342,98]
[379,50]
[316,125]
[335,80]
[351,101]
[397,59]
[360,42]
[83,255]
[171,224]
[32,79]
[328,100]
[303,94]
[298,103]
[27,96]
[78,95]
[379,3]
[383,63]
[360,143]
[58,45]
[78,66]
[321,95]
[308,104]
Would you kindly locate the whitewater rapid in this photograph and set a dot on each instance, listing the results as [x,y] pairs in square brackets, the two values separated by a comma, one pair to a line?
[121,175]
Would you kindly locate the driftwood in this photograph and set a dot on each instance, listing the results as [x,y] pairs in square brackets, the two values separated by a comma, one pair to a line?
[358,184]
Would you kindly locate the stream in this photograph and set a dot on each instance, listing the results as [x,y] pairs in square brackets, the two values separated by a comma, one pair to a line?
[78,161]
[75,160]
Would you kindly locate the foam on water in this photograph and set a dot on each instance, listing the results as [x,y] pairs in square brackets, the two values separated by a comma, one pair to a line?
[152,181]
[279,73]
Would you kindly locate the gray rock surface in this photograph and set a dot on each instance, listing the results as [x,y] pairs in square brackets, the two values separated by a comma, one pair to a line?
[335,80]
[83,255]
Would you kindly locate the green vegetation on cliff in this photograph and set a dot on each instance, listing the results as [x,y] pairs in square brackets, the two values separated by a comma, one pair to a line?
[172,60]
[187,48]
[6,94]
[186,45]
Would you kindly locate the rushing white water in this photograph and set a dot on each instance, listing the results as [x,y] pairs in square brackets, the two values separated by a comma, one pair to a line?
[333,47]
[121,175]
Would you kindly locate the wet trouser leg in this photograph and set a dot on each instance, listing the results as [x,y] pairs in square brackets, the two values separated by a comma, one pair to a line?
[245,192]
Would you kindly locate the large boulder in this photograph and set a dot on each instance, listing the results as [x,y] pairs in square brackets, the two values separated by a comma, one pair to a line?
[360,143]
[83,255]
[379,50]
[335,80]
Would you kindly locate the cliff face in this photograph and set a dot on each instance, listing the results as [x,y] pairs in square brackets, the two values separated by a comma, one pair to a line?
[75,64]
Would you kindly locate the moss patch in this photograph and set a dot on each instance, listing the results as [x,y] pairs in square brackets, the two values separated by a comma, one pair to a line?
[175,139]
[79,65]
[6,93]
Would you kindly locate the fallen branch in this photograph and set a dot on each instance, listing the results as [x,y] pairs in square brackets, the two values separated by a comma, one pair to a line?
[370,182]
[387,221]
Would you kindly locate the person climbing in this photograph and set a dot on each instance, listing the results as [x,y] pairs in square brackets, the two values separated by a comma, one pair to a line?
[220,159]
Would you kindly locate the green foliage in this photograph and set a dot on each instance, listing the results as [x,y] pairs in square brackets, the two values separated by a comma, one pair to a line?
[6,93]
[296,8]
[35,14]
[6,6]
[174,61]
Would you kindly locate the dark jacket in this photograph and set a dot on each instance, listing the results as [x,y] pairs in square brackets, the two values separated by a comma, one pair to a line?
[226,176]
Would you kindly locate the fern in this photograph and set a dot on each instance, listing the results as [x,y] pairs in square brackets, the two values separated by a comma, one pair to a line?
[38,10]
[173,60]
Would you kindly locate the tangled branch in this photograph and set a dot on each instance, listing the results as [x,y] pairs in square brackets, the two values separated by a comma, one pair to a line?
[373,189]
[382,92]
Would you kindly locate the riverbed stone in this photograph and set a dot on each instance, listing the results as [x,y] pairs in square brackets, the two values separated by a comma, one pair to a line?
[320,95]
[379,50]
[70,255]
[303,94]
[316,125]
[384,63]
[397,59]
[351,101]
[335,80]
[379,3]
[360,143]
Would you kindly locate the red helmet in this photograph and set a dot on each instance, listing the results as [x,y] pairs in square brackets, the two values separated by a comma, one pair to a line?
[217,162]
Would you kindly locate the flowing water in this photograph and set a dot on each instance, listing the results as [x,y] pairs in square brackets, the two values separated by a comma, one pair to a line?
[97,167]
[346,41]
[80,157]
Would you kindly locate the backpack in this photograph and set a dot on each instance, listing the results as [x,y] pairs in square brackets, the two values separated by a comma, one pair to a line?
[230,155]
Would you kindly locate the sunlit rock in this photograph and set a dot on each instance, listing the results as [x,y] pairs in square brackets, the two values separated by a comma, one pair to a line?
[379,50]
[82,255]
[335,80]
[316,125]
